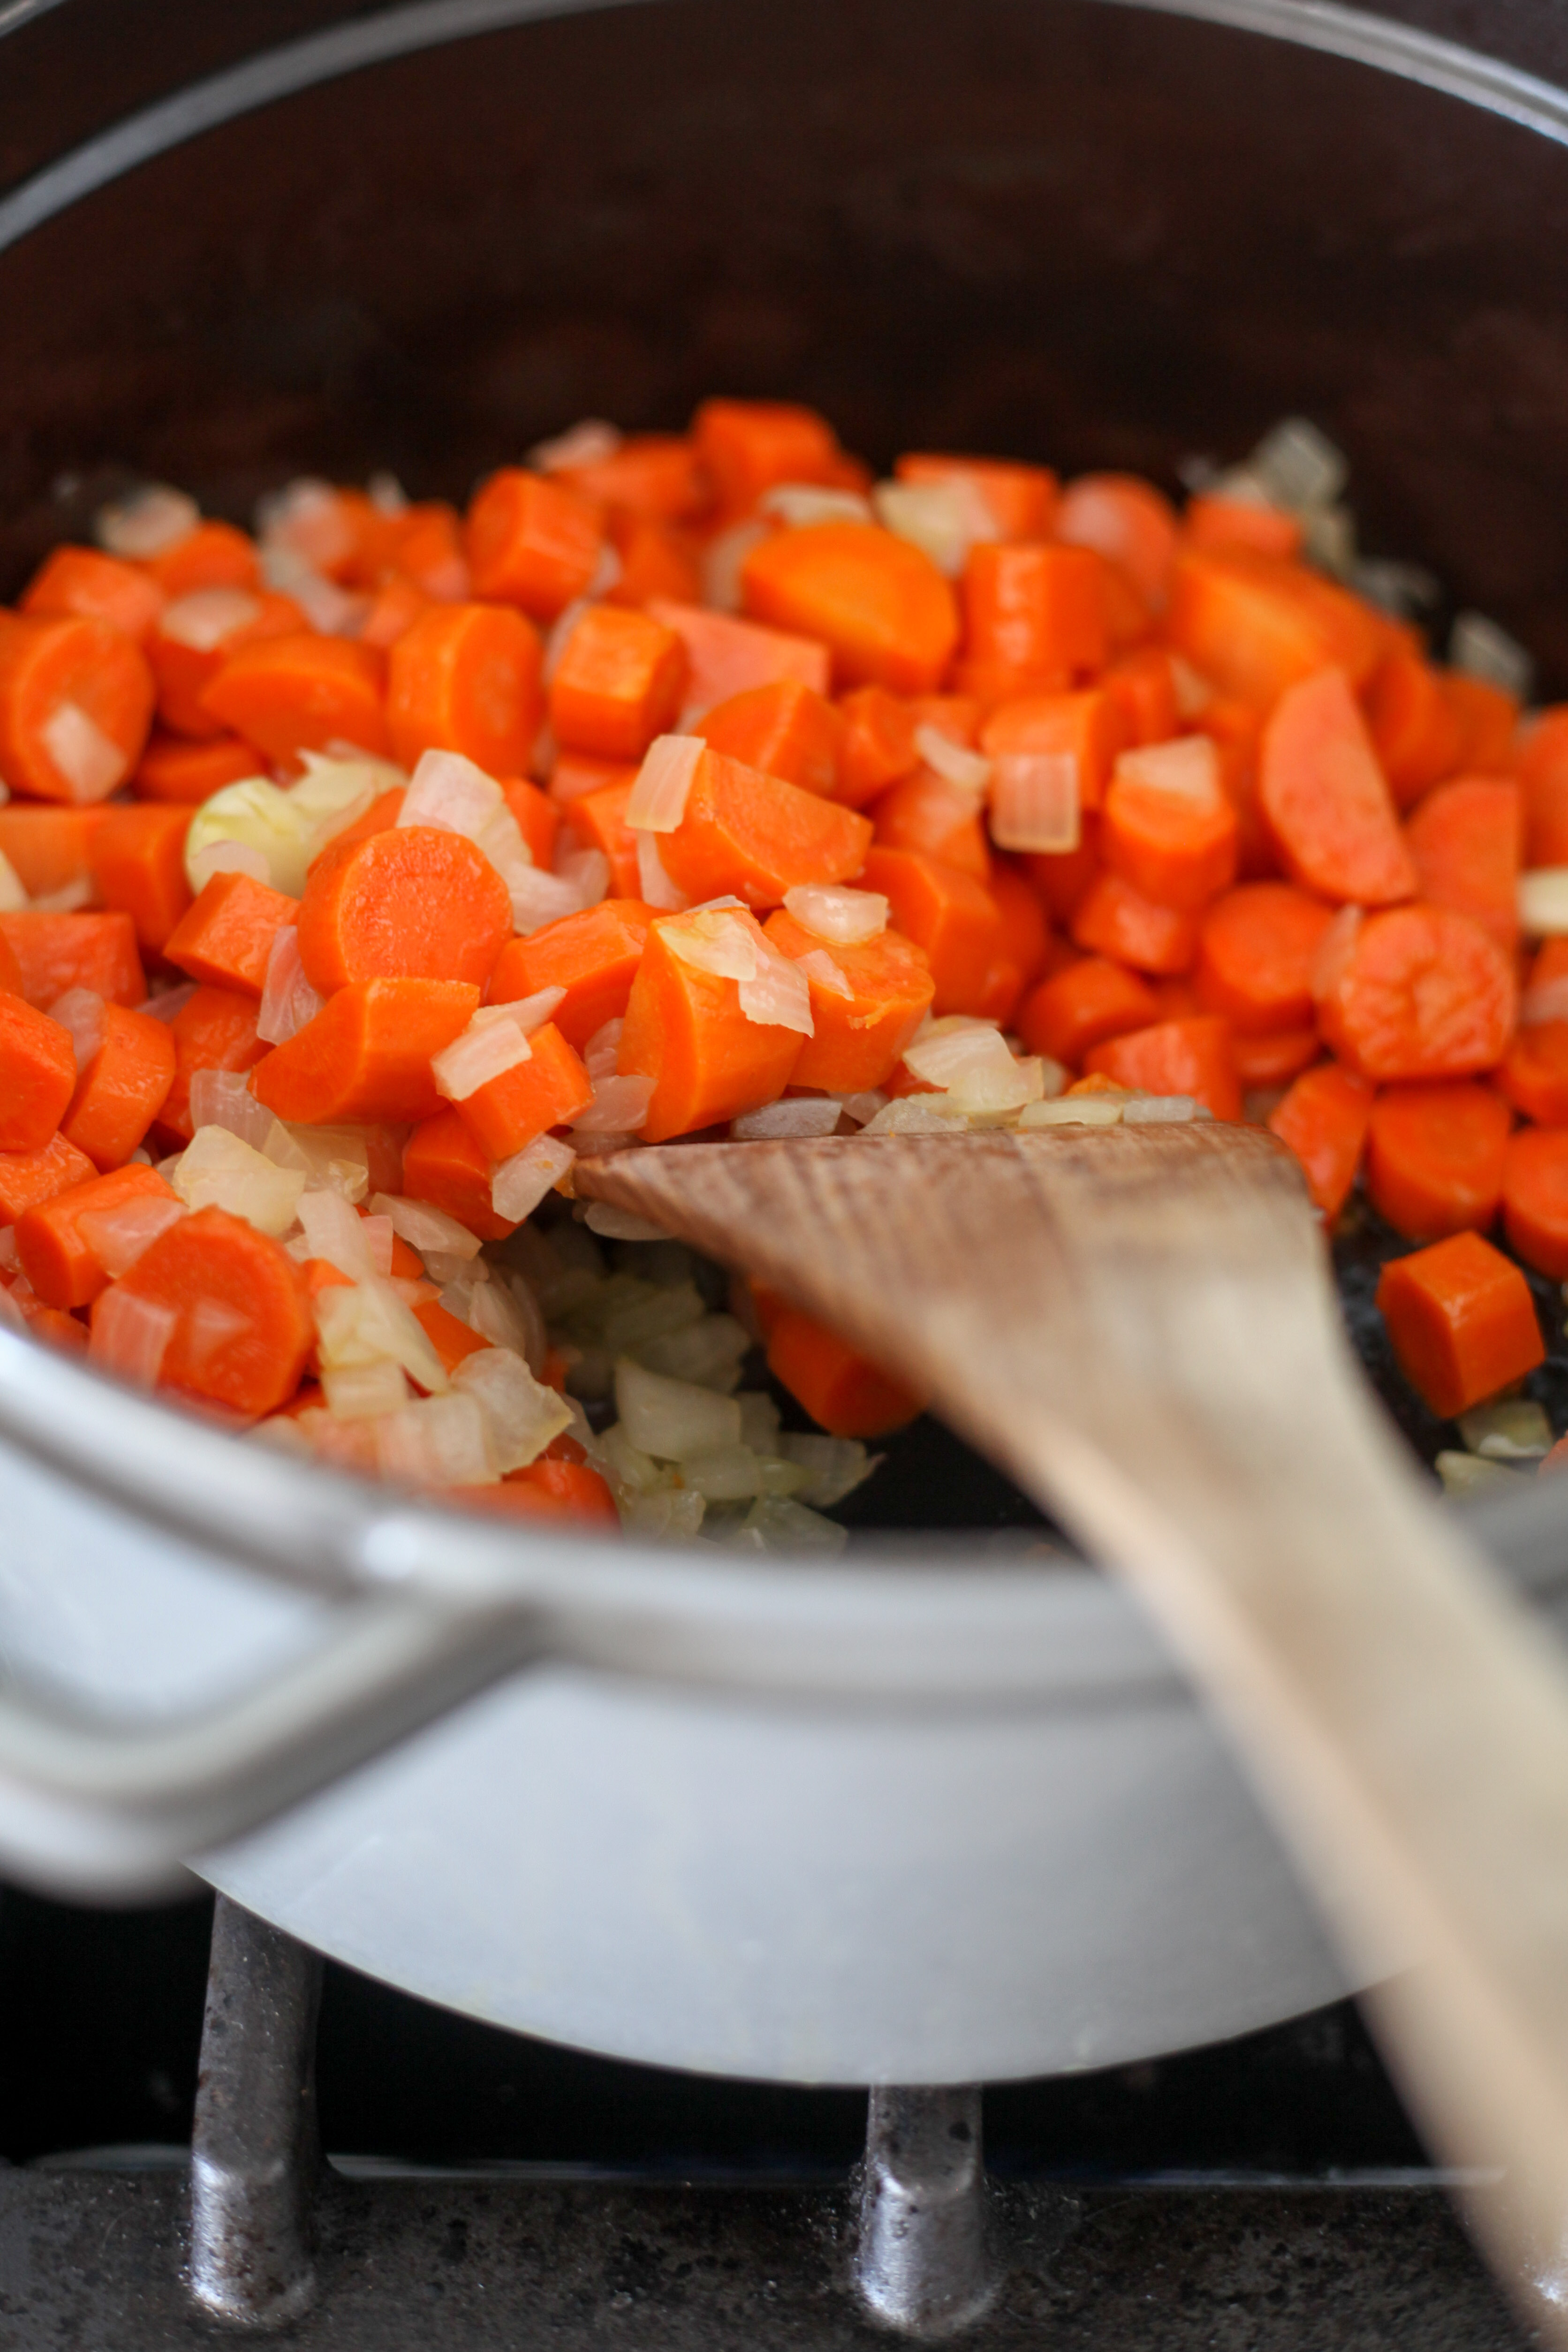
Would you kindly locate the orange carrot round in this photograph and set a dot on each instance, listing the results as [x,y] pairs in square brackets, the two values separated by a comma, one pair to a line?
[1323,1120]
[1191,1056]
[302,693]
[1435,1157]
[76,703]
[1465,842]
[97,587]
[1423,992]
[532,542]
[1325,798]
[1535,1198]
[1256,954]
[411,903]
[1129,523]
[785,730]
[172,769]
[1079,1008]
[882,607]
[240,1332]
[465,677]
[618,683]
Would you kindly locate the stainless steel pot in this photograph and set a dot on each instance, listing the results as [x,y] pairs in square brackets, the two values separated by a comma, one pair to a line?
[933,1818]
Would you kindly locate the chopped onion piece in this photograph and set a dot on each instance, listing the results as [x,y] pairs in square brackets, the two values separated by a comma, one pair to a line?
[620,1106]
[338,787]
[987,1094]
[1075,1110]
[488,1048]
[950,1049]
[367,1321]
[779,995]
[818,965]
[1478,647]
[308,516]
[1037,802]
[560,637]
[68,900]
[521,1415]
[13,898]
[334,1158]
[335,612]
[1193,691]
[653,884]
[518,1184]
[799,505]
[364,1392]
[618,1224]
[1547,1001]
[287,1000]
[80,1010]
[452,793]
[1299,465]
[226,857]
[130,1336]
[779,1523]
[1544,902]
[602,1053]
[843,917]
[91,762]
[830,1467]
[259,816]
[954,762]
[425,1227]
[165,1002]
[1469,1473]
[672,1419]
[915,1115]
[1510,1429]
[379,1239]
[722,944]
[439,1442]
[335,1232]
[528,1012]
[146,523]
[1162,1110]
[864,1107]
[672,1515]
[387,494]
[796,1115]
[944,520]
[724,560]
[223,1098]
[539,899]
[217,1170]
[1336,948]
[587,870]
[734,1474]
[1189,767]
[207,616]
[506,1313]
[658,800]
[587,443]
[117,1237]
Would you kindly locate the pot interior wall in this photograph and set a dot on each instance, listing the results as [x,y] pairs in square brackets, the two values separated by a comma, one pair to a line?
[1079,233]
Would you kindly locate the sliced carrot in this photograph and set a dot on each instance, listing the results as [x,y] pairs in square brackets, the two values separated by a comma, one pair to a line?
[1114,919]
[340,532]
[443,1164]
[196,635]
[659,476]
[843,1393]
[785,730]
[1414,728]
[47,847]
[684,1030]
[539,818]
[597,821]
[928,813]
[745,446]
[213,555]
[397,604]
[1465,842]
[1174,848]
[241,1328]
[656,559]
[173,769]
[84,582]
[1323,1120]
[465,677]
[366,1055]
[1063,877]
[551,1490]
[1256,956]
[878,745]
[1535,1198]
[547,1090]
[10,970]
[1176,998]
[1142,688]
[138,862]
[949,914]
[726,654]
[859,1031]
[1272,1057]
[37,1074]
[1081,1007]
[55,952]
[1234,730]
[1461,1320]
[28,1178]
[57,1331]
[1087,728]
[425,547]
[1020,500]
[1035,613]
[1435,1157]
[879,605]
[1534,1074]
[1024,947]
[573,775]
[1128,521]
[1176,1058]
[757,836]
[302,693]
[1541,762]
[1255,626]
[123,1089]
[532,542]
[215,1029]
[593,956]
[958,716]
[1423,992]
[1212,520]
[412,903]
[76,703]
[1326,799]
[1488,720]
[452,1340]
[620,681]
[55,1255]
[226,935]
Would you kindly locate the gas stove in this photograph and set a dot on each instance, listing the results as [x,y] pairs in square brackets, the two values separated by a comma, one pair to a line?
[172,2075]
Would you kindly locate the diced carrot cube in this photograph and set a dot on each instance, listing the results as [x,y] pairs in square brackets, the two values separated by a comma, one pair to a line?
[37,1074]
[55,952]
[785,730]
[1114,919]
[1323,1120]
[123,1089]
[1435,1157]
[949,914]
[138,859]
[857,1036]
[754,836]
[597,821]
[56,1255]
[27,1179]
[226,935]
[1191,1057]
[213,1030]
[547,1090]
[843,1393]
[593,956]
[532,541]
[443,1164]
[727,655]
[1462,1321]
[686,1030]
[620,681]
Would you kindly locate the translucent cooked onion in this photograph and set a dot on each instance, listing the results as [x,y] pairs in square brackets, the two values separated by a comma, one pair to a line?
[1161,1111]
[587,443]
[335,612]
[723,561]
[258,816]
[146,523]
[1510,1429]
[915,1115]
[708,1353]
[1299,465]
[863,1107]
[70,898]
[517,1185]
[796,1115]
[335,1232]
[819,967]
[988,1093]
[944,520]
[439,1442]
[452,793]
[603,1050]
[725,945]
[618,1224]
[530,1013]
[779,995]
[1075,1110]
[779,1523]
[1479,647]
[587,870]
[562,630]
[338,787]
[970,772]
[670,1418]
[118,1236]
[844,917]
[224,1098]
[654,885]
[130,1336]
[734,1474]
[1547,1001]
[539,898]
[217,1170]
[309,517]
[1544,902]
[80,1010]
[207,616]
[951,1049]
[488,1049]
[1037,802]
[801,504]
[378,1238]
[1189,767]
[91,762]
[1336,948]
[506,1312]
[334,1158]
[363,1391]
[521,1414]
[13,898]
[620,1106]
[830,1467]
[367,1322]
[287,1000]
[425,1227]
[658,800]
[169,1001]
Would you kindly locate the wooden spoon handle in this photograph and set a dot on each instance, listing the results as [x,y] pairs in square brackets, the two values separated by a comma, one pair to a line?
[1138,1323]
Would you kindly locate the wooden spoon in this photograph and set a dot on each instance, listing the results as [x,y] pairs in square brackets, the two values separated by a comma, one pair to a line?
[1138,1323]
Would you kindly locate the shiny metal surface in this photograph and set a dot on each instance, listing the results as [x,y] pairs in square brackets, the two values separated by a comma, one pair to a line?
[925,2264]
